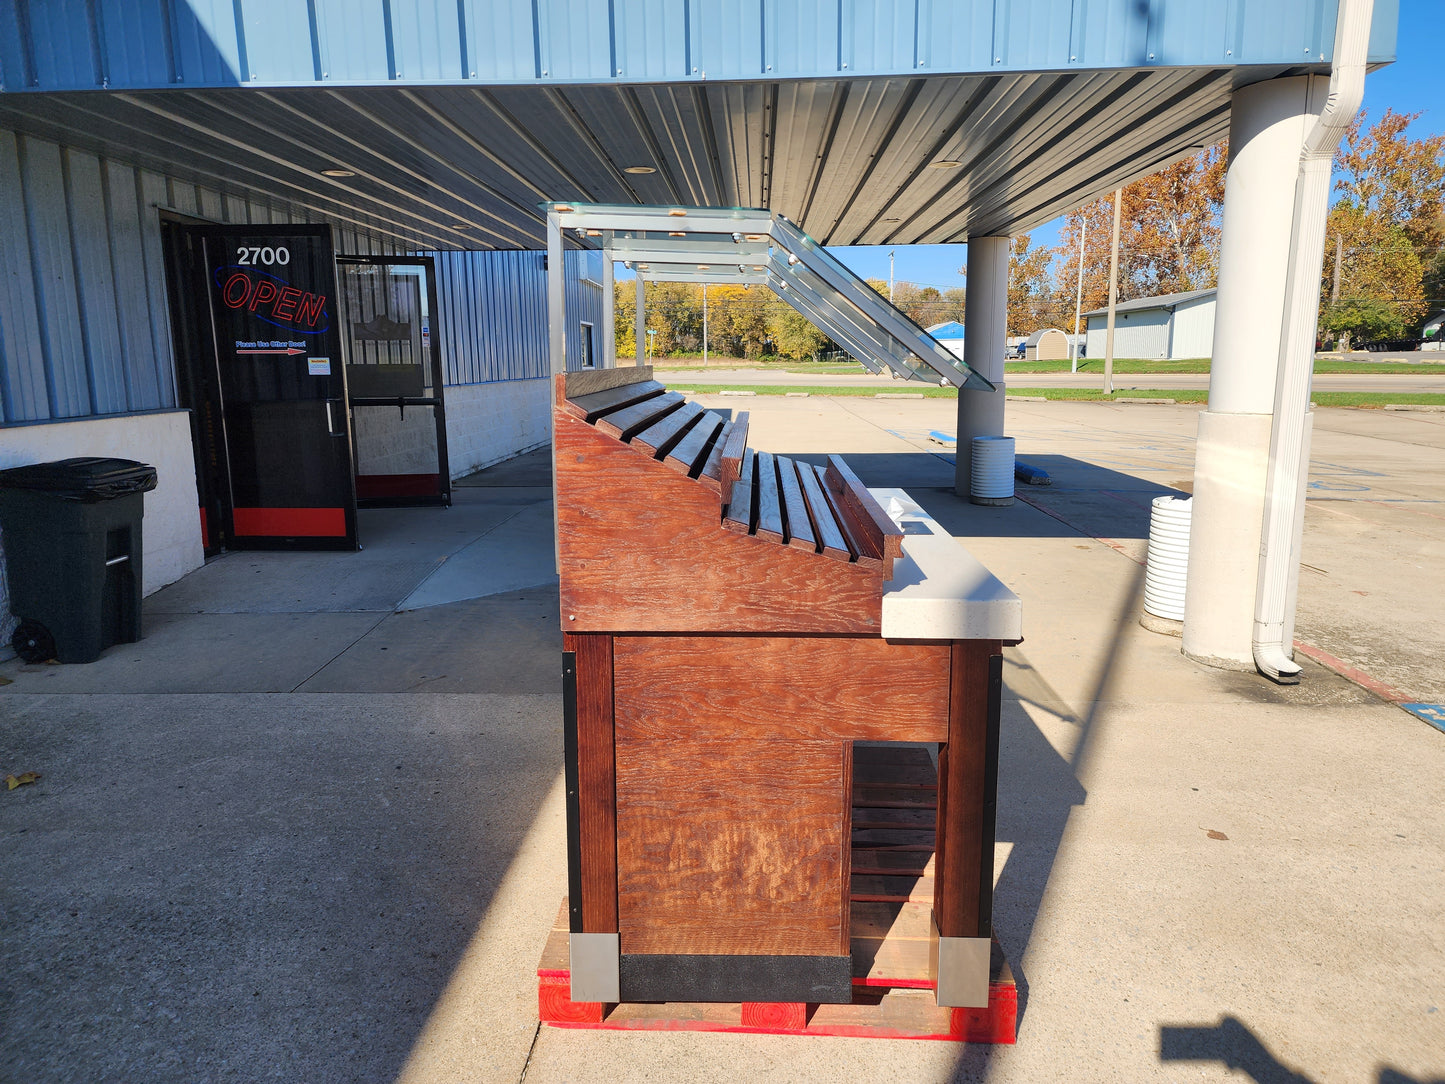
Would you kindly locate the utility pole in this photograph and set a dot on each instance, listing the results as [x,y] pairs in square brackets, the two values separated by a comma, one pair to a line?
[1078,299]
[890,276]
[1113,297]
[704,325]
[1339,258]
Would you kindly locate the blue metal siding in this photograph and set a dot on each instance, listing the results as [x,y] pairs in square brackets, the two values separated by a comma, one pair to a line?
[84,320]
[494,312]
[76,44]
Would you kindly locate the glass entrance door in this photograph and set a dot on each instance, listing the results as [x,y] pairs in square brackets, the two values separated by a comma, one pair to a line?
[282,386]
[394,379]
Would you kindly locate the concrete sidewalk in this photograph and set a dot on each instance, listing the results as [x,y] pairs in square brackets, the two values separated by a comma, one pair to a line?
[300,833]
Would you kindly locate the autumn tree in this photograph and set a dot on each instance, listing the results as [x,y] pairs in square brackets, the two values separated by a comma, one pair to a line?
[1383,251]
[1031,302]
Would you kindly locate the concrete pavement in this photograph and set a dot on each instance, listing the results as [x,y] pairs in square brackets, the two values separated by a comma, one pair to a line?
[298,833]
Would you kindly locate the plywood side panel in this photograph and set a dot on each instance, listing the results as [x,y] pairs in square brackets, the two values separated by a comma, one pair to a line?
[762,687]
[733,849]
[643,550]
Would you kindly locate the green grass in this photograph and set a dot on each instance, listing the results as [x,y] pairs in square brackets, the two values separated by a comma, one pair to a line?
[1365,400]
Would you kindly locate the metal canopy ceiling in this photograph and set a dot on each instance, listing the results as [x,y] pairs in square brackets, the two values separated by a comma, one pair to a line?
[850,160]
[741,245]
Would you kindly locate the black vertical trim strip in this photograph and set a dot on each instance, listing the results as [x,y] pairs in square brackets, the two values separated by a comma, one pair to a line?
[987,823]
[574,809]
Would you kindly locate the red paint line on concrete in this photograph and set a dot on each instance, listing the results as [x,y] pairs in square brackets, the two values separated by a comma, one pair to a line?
[1324,658]
[1345,670]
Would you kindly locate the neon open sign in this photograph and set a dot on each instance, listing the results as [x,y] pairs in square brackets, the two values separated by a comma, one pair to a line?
[272,299]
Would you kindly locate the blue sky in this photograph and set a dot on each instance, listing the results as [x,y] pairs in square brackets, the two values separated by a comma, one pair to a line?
[1410,85]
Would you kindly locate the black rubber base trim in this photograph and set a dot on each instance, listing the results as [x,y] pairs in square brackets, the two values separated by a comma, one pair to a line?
[826,980]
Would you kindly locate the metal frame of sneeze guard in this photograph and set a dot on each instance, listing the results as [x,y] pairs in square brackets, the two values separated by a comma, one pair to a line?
[755,247]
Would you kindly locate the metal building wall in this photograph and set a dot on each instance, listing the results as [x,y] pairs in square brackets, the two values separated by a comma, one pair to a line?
[1140,334]
[84,324]
[1192,335]
[84,327]
[130,44]
[494,312]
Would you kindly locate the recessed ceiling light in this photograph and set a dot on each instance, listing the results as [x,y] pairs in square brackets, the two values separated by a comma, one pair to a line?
[639,169]
[945,163]
[339,172]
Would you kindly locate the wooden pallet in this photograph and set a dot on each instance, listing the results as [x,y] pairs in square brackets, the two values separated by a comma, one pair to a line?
[894,795]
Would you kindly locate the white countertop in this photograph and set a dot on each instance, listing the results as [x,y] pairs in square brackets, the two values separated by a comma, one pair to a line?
[939,591]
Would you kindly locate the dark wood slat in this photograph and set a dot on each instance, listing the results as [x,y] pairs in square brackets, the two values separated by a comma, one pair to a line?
[657,439]
[825,525]
[770,513]
[965,800]
[711,475]
[591,407]
[731,454]
[856,545]
[596,780]
[874,525]
[629,421]
[740,510]
[689,455]
[799,526]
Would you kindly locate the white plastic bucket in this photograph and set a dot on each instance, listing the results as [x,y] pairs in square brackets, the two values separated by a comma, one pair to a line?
[992,476]
[1168,562]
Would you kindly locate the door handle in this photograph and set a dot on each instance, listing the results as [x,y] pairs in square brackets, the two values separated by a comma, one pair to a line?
[331,420]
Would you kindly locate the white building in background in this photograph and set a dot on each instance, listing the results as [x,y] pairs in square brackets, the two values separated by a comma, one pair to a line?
[1168,326]
[950,334]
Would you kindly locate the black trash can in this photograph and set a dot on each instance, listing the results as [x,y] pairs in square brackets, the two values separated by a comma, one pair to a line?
[73,554]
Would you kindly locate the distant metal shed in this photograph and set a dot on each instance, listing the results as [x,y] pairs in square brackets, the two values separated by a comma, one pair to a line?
[1167,326]
[1050,344]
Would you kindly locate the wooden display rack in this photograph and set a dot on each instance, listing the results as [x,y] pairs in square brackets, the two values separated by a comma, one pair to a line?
[894,792]
[734,622]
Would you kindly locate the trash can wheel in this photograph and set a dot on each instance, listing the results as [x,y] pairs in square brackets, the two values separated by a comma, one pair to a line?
[32,642]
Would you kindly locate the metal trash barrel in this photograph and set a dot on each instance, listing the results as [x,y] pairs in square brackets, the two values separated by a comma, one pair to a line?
[72,539]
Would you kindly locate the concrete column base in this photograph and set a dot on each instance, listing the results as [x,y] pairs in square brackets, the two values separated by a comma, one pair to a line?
[1231,459]
[980,414]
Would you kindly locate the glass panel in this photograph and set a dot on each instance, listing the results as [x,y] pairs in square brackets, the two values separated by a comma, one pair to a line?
[396,452]
[273,301]
[388,330]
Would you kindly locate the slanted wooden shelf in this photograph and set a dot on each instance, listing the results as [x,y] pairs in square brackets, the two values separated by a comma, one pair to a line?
[725,611]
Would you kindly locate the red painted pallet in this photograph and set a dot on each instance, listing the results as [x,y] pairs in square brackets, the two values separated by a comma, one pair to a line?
[892,894]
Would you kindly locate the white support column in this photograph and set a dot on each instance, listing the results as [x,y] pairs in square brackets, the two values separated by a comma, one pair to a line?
[1267,132]
[980,413]
[609,315]
[556,297]
[639,322]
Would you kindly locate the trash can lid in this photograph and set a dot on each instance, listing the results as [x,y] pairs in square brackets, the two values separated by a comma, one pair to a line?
[86,478]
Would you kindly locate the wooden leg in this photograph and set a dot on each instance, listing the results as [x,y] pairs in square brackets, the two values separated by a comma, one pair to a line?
[967,792]
[592,790]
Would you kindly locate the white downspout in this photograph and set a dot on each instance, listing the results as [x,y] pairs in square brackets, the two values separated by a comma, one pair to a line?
[1288,458]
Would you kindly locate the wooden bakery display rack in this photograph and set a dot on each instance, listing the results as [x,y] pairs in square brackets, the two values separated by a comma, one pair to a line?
[781,703]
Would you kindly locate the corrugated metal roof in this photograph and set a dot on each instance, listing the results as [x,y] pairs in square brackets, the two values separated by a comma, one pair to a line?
[1159,301]
[141,44]
[850,161]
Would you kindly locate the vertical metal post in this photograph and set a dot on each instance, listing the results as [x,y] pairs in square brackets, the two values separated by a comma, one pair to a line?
[639,322]
[556,347]
[704,325]
[609,313]
[1113,297]
[1078,298]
